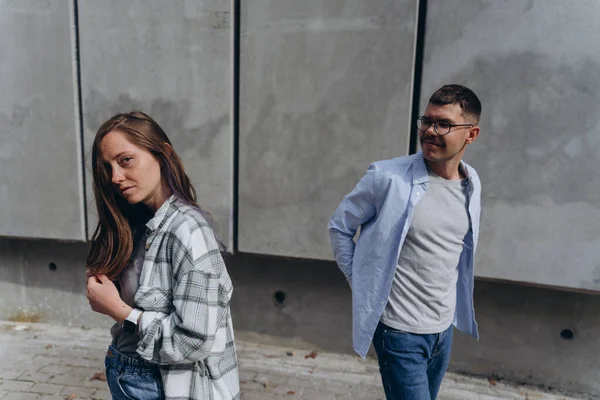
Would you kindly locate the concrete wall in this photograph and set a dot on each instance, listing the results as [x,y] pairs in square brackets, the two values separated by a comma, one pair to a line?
[325,89]
[41,192]
[172,60]
[535,67]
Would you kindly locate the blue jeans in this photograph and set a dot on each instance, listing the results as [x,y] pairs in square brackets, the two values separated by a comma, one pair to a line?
[131,378]
[412,366]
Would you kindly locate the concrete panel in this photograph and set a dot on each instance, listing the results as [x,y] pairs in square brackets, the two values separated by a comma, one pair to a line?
[41,178]
[325,89]
[171,60]
[536,67]
[46,280]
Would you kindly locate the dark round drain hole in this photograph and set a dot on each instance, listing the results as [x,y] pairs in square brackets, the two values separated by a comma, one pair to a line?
[52,266]
[279,298]
[567,334]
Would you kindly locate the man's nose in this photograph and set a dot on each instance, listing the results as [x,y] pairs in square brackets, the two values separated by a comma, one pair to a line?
[432,130]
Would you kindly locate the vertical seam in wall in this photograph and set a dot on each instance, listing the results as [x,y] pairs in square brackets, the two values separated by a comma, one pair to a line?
[417,74]
[236,120]
[79,107]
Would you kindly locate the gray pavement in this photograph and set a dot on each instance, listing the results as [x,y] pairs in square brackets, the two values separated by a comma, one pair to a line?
[41,361]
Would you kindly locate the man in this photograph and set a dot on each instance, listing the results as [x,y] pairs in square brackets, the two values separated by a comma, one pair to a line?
[411,268]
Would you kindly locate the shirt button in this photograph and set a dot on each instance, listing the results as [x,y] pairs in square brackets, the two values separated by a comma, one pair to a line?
[418,194]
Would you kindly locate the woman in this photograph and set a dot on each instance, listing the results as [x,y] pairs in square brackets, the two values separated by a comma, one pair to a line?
[155,267]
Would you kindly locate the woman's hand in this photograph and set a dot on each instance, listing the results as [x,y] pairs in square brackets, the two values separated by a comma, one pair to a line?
[104,298]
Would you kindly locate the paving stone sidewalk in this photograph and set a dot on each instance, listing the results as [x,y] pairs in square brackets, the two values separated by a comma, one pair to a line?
[41,361]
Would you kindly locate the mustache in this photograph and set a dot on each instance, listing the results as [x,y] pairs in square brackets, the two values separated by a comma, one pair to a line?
[432,140]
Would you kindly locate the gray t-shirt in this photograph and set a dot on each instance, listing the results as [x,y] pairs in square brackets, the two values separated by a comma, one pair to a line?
[129,281]
[423,295]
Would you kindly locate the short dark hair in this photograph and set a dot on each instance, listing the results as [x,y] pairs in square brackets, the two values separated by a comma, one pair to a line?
[461,95]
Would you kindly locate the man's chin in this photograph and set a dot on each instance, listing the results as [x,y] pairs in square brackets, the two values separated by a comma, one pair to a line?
[434,156]
[431,150]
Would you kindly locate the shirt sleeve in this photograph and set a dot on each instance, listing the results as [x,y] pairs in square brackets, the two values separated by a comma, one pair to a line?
[200,300]
[354,210]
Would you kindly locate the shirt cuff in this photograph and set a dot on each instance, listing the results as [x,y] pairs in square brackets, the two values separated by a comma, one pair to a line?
[145,321]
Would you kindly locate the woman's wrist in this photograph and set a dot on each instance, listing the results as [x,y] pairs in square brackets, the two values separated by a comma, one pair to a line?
[121,312]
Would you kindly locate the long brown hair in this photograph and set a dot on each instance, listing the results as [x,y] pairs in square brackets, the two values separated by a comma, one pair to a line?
[112,241]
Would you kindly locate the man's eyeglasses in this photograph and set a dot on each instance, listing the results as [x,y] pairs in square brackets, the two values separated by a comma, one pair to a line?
[440,127]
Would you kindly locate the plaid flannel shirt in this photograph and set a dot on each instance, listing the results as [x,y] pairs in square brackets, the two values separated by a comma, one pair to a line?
[185,292]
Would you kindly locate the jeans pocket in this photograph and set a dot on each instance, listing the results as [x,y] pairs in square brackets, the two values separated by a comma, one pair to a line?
[394,333]
[398,341]
[139,386]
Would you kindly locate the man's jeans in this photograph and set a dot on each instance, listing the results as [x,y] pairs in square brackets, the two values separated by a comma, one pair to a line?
[412,366]
[132,378]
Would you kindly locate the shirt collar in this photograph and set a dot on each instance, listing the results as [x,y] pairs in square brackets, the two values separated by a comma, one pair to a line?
[160,214]
[420,174]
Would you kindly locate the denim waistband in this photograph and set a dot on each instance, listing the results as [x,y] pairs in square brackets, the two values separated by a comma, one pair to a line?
[124,362]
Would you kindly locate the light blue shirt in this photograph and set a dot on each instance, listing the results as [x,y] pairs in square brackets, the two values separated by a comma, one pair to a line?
[382,205]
